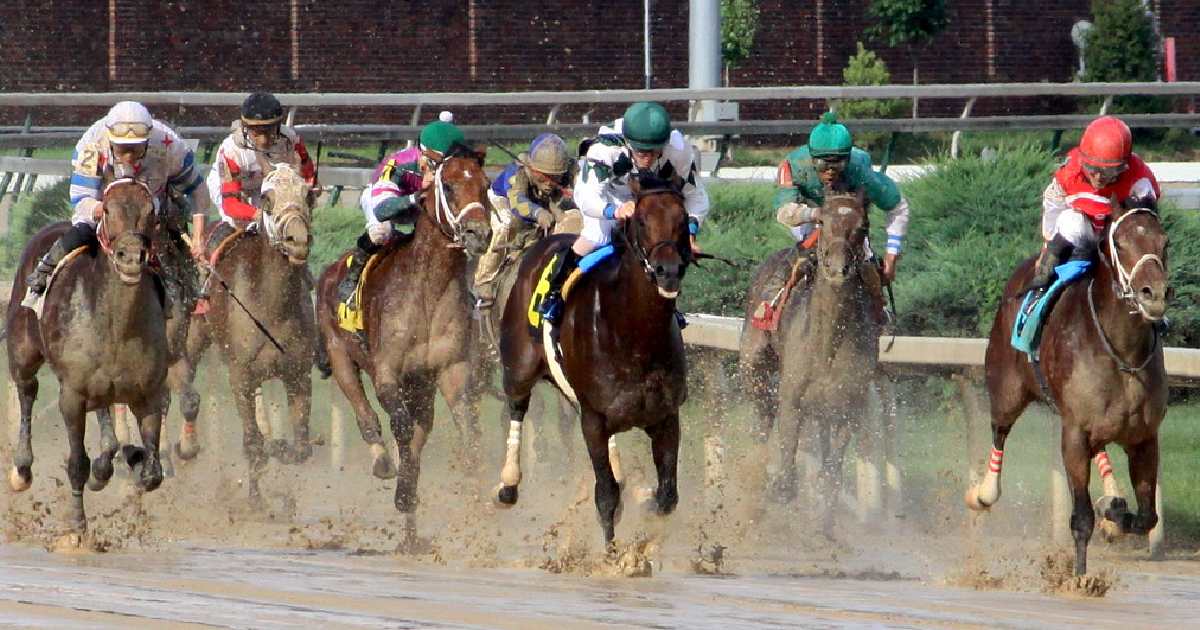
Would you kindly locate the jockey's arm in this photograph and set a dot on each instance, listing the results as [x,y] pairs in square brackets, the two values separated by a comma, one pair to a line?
[231,188]
[695,198]
[1054,202]
[885,194]
[519,202]
[785,188]
[593,192]
[86,182]
[187,182]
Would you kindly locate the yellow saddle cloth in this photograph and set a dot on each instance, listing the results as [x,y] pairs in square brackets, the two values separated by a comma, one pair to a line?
[349,313]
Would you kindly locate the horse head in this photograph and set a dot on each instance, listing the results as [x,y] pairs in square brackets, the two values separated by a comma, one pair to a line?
[1135,248]
[658,232]
[127,221]
[843,223]
[461,206]
[287,213]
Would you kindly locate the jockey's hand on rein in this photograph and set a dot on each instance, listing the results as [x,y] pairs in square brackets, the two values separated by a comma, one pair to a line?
[625,210]
[889,267]
[545,219]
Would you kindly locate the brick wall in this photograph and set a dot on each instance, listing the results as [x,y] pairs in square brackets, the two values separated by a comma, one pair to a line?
[502,45]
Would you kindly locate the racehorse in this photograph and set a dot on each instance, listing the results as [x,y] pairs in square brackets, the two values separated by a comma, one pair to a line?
[259,279]
[1100,366]
[102,330]
[825,350]
[417,322]
[622,354]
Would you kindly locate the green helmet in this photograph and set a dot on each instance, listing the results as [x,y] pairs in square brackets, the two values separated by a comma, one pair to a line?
[646,126]
[830,138]
[439,136]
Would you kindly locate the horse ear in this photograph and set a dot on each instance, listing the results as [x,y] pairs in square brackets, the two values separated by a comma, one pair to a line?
[480,151]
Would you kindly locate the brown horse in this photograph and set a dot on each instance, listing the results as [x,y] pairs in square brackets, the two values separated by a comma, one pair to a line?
[417,320]
[102,329]
[622,352]
[264,269]
[826,352]
[1102,363]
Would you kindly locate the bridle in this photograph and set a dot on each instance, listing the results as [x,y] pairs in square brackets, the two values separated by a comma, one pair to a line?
[856,239]
[102,227]
[635,244]
[276,222]
[443,214]
[1124,283]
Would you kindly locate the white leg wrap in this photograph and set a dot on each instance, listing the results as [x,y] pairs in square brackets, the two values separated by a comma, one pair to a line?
[1104,467]
[614,460]
[510,475]
[989,488]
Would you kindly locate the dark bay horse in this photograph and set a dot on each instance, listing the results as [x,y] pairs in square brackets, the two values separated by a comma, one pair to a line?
[622,352]
[826,352]
[417,319]
[1102,360]
[103,332]
[265,270]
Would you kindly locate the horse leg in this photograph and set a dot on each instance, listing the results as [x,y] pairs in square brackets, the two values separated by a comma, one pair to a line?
[782,487]
[607,491]
[835,437]
[664,444]
[182,376]
[102,466]
[455,384]
[72,407]
[253,443]
[1143,472]
[21,476]
[299,397]
[566,420]
[395,403]
[985,494]
[345,373]
[149,416]
[1077,459]
[510,474]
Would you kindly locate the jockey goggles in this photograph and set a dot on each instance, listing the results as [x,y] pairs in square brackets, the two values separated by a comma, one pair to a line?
[836,164]
[129,132]
[1106,173]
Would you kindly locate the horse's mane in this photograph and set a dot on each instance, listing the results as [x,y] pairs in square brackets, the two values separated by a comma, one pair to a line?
[460,150]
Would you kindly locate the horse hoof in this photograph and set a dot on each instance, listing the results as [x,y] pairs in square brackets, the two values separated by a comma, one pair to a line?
[383,468]
[133,455]
[102,472]
[20,478]
[973,502]
[186,449]
[506,496]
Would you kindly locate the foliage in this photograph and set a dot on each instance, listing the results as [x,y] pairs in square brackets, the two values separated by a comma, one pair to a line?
[908,23]
[739,22]
[1122,45]
[30,214]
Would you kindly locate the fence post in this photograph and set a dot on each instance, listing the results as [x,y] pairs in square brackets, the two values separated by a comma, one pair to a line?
[957,136]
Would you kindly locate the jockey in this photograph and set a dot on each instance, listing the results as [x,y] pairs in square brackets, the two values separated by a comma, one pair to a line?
[531,192]
[830,160]
[127,142]
[642,142]
[255,144]
[1079,199]
[393,195]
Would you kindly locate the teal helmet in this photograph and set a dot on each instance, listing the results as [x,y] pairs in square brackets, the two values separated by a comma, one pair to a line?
[646,126]
[830,138]
[439,136]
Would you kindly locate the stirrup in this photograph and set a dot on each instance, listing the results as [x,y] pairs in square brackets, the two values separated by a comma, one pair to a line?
[551,308]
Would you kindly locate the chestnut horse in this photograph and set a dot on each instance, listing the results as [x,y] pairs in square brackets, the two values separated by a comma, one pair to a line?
[826,351]
[622,352]
[1102,363]
[417,321]
[102,330]
[265,270]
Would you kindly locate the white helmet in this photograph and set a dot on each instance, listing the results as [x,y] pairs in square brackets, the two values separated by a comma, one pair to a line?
[128,122]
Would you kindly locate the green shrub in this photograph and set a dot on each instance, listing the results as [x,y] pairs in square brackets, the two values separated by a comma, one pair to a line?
[1123,46]
[866,68]
[30,214]
[335,230]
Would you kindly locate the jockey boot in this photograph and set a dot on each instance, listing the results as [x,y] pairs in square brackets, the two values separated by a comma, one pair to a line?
[552,304]
[1053,255]
[78,236]
[359,256]
[485,278]
[872,278]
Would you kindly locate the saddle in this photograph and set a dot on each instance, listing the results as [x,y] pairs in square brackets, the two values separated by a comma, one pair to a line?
[35,302]
[1027,329]
[349,314]
[586,264]
[224,240]
[766,316]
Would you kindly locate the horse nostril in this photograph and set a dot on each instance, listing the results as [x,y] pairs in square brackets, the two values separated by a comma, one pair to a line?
[1147,293]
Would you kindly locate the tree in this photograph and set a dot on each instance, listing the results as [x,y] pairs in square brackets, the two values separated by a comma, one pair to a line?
[1122,45]
[908,23]
[866,68]
[739,22]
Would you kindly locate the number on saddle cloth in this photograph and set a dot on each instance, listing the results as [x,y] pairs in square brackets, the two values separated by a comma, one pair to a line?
[586,264]
[1027,329]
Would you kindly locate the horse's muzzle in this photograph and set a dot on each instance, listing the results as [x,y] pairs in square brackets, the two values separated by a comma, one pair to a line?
[129,255]
[296,245]
[1152,300]
[668,278]
[475,239]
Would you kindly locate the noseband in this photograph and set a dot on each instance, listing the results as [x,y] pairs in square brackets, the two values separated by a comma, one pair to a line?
[444,215]
[635,244]
[102,228]
[1124,285]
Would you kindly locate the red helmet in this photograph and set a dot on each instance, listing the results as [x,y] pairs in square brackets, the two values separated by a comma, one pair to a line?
[1106,143]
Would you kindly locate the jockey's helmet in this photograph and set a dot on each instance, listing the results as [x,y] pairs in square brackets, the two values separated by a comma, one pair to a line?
[261,108]
[1106,146]
[830,138]
[439,136]
[548,154]
[128,122]
[646,126]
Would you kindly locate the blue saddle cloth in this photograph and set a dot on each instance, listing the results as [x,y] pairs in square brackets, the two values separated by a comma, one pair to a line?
[1027,330]
[597,256]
